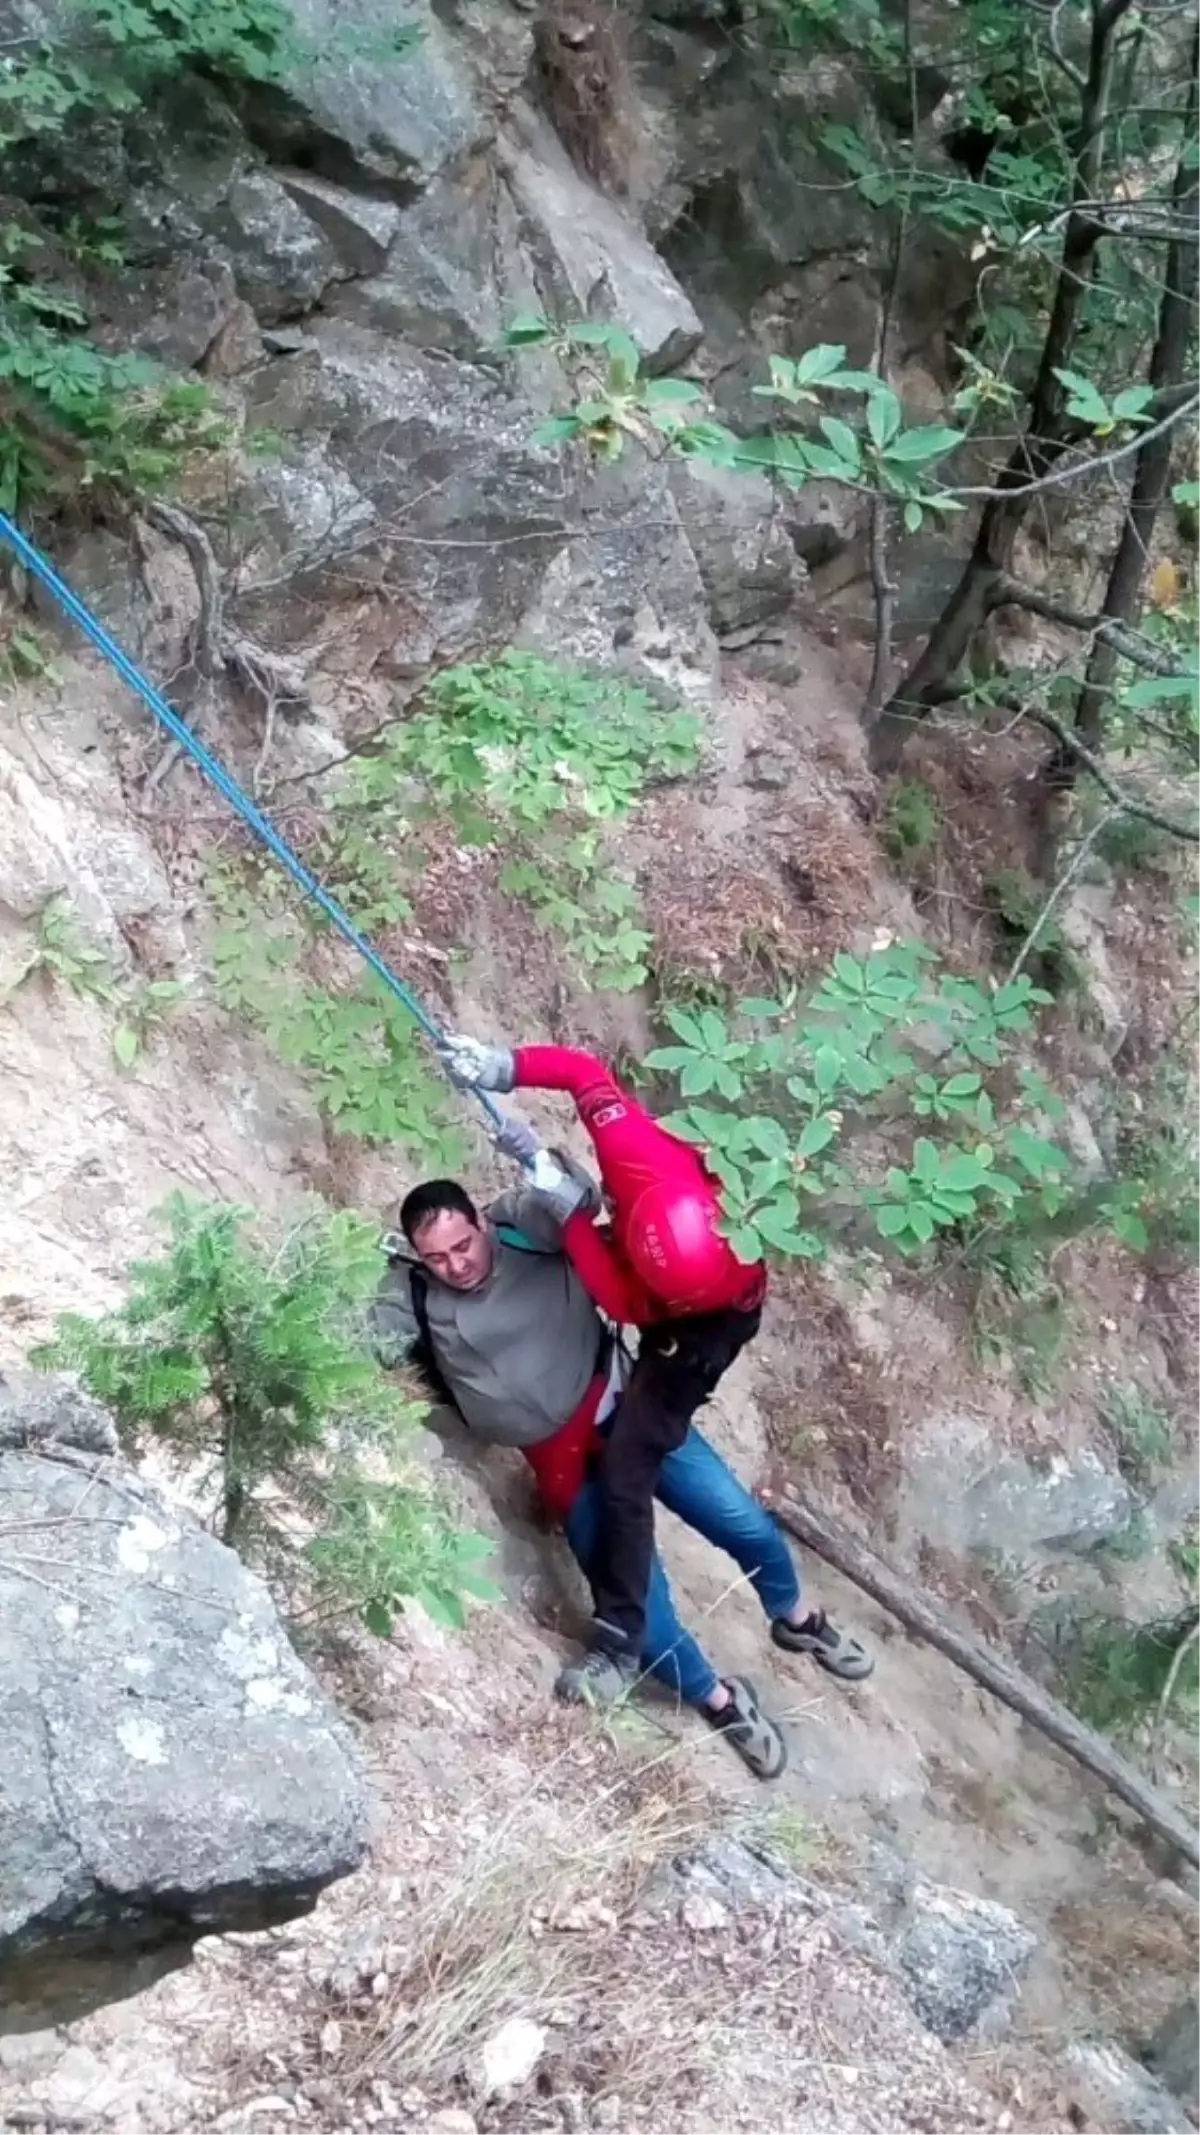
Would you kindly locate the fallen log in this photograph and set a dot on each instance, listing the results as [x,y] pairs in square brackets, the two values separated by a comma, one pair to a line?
[821,1532]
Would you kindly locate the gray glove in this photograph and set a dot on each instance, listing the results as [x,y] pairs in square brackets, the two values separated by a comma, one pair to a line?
[475,1066]
[555,1188]
[516,1138]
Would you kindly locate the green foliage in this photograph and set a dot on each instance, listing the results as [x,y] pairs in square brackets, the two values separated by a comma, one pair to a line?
[61,950]
[247,1360]
[1019,904]
[537,759]
[357,1044]
[806,1108]
[1141,1430]
[523,755]
[145,1010]
[75,417]
[618,404]
[1118,1673]
[382,1544]
[912,822]
[24,658]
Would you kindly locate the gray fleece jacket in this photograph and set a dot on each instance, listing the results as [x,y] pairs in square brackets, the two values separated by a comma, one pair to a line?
[518,1353]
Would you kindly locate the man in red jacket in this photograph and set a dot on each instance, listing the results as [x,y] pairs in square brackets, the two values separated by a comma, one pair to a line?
[666,1269]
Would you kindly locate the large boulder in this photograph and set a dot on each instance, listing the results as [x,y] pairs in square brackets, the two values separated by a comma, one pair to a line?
[957,1959]
[960,1495]
[473,534]
[170,1770]
[356,106]
[589,256]
[736,525]
[1174,2052]
[1108,2089]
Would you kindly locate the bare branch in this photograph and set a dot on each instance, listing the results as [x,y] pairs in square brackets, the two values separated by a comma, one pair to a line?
[1074,750]
[1180,1654]
[1057,893]
[1128,642]
[1059,476]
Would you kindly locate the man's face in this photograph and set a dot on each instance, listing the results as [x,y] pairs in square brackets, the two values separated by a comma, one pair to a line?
[454,1249]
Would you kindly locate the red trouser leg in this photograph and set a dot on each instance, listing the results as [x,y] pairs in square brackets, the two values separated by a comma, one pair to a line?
[560,1463]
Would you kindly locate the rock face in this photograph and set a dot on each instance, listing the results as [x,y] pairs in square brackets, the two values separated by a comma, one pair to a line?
[1110,2090]
[956,1958]
[958,1494]
[1174,2052]
[170,1768]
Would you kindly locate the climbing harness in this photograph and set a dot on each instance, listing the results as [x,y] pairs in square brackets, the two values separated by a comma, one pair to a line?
[214,771]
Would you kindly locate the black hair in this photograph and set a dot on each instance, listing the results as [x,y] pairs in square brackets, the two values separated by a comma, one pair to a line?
[433,1198]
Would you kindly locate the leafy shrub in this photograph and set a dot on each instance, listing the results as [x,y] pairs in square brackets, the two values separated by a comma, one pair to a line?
[61,950]
[817,1097]
[358,1045]
[1119,1671]
[537,758]
[1140,1429]
[247,1361]
[911,821]
[524,755]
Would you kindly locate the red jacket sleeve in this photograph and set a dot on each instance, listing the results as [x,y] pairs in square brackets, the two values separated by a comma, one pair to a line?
[604,1274]
[633,1151]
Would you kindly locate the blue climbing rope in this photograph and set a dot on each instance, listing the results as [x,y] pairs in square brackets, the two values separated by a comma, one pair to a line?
[214,771]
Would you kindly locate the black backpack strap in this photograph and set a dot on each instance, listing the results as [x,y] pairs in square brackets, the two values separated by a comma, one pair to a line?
[424,1355]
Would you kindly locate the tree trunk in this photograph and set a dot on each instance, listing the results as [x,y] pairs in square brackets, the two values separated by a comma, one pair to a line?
[819,1531]
[1046,435]
[1152,468]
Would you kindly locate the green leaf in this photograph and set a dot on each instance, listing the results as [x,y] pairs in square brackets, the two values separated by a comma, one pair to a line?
[921,1221]
[125,1045]
[827,1069]
[671,392]
[926,1161]
[557,430]
[930,441]
[768,1136]
[686,1027]
[757,1010]
[527,330]
[961,1086]
[746,1243]
[668,1058]
[884,416]
[698,1076]
[890,1220]
[1130,1229]
[443,1606]
[819,363]
[816,1136]
[914,517]
[1084,401]
[378,1618]
[844,444]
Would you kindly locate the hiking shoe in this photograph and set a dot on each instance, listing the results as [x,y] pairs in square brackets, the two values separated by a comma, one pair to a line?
[598,1679]
[838,1652]
[745,1726]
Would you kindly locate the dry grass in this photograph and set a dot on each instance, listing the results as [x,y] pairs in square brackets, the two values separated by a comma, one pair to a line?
[531,1921]
[1134,1951]
[743,921]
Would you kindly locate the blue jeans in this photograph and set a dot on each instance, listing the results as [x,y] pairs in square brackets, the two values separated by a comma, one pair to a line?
[695,1484]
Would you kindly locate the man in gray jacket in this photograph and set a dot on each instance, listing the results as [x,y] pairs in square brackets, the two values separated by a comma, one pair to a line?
[491,1310]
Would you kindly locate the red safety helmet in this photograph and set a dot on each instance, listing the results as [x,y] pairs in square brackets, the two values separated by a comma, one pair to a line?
[671,1239]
